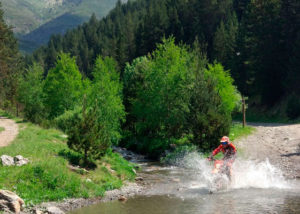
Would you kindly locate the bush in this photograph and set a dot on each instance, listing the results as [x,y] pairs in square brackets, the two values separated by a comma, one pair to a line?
[293,107]
[67,120]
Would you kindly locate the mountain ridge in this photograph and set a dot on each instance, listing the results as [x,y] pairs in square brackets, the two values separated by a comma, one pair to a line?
[31,24]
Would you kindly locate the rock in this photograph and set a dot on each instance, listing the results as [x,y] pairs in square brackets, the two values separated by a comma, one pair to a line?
[10,201]
[19,160]
[37,211]
[122,198]
[139,179]
[7,160]
[88,180]
[54,210]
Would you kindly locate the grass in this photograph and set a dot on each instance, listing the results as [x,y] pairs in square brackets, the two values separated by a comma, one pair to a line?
[47,176]
[237,131]
[2,129]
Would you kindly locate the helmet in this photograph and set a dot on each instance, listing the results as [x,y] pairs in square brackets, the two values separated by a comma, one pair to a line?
[225,139]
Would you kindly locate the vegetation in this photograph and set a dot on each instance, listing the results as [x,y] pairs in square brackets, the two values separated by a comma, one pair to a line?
[237,131]
[31,95]
[2,129]
[86,136]
[47,177]
[10,65]
[106,93]
[141,93]
[258,41]
[64,79]
[172,101]
[48,17]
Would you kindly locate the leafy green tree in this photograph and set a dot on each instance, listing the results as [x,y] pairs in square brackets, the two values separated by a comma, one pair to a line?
[175,96]
[224,87]
[162,101]
[31,95]
[63,86]
[106,93]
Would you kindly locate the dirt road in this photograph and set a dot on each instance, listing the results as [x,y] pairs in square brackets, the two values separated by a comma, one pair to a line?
[277,142]
[10,132]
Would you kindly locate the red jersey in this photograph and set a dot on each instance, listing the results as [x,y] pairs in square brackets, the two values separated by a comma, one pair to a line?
[229,151]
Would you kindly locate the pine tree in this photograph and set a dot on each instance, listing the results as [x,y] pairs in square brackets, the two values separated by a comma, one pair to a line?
[10,66]
[86,136]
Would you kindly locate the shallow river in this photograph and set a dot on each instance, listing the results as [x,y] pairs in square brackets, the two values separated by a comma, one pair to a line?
[257,187]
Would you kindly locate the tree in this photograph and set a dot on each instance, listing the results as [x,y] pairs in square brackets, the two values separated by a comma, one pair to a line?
[10,65]
[229,95]
[63,86]
[87,136]
[106,92]
[31,95]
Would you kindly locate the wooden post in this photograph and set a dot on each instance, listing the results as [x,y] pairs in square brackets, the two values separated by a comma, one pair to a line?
[244,110]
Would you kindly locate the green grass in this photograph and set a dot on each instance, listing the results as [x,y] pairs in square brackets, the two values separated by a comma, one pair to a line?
[2,129]
[237,131]
[47,176]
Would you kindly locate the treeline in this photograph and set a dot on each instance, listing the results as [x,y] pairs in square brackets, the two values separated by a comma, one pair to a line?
[258,41]
[171,96]
[120,84]
[10,65]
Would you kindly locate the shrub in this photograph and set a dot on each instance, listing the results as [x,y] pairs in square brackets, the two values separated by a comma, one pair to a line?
[67,120]
[87,138]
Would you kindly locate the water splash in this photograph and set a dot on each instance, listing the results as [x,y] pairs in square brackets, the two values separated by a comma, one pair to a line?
[246,173]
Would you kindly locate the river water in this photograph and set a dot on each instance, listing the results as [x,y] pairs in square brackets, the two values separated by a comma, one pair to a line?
[256,187]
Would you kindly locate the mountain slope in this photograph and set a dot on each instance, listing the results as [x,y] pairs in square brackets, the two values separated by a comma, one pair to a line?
[34,21]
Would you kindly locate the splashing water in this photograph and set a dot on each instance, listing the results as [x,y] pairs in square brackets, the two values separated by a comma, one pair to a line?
[246,173]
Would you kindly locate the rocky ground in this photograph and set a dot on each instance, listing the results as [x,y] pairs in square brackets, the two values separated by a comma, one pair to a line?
[277,142]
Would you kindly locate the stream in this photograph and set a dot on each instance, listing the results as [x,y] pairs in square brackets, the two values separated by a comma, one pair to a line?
[256,187]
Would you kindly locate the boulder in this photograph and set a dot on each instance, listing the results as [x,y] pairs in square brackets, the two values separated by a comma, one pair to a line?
[10,201]
[7,160]
[19,160]
[54,210]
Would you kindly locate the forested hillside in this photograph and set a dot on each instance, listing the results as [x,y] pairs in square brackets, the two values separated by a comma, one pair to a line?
[257,40]
[34,21]
[156,73]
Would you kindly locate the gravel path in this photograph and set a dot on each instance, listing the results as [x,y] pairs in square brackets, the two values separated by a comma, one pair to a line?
[278,142]
[10,132]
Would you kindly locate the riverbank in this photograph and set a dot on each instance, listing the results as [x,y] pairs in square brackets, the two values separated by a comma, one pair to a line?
[50,176]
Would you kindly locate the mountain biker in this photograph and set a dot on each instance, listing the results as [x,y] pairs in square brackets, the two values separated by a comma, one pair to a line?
[229,152]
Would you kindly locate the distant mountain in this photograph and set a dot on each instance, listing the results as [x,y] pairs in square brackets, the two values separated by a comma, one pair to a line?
[34,21]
